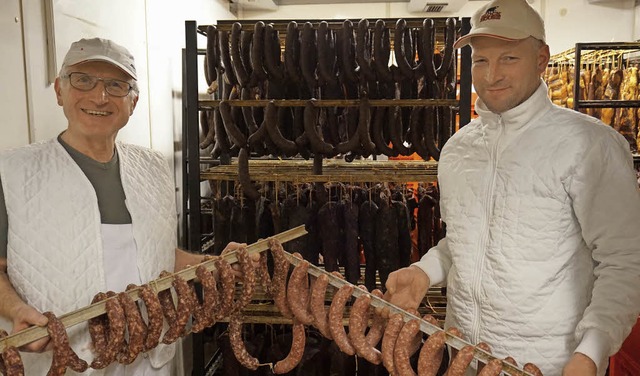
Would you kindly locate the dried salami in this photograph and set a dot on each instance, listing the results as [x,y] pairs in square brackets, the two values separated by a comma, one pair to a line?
[11,364]
[63,354]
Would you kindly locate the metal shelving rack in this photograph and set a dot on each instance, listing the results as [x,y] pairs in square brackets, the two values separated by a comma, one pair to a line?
[191,160]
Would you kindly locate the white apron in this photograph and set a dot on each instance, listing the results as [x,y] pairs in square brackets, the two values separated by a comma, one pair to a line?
[120,269]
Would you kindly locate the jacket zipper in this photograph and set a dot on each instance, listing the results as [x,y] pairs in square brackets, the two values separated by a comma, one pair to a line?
[479,270]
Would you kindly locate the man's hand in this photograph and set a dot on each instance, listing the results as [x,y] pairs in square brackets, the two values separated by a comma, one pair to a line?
[25,316]
[406,288]
[580,365]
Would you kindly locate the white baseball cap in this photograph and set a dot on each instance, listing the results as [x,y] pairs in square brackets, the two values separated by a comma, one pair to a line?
[98,49]
[505,19]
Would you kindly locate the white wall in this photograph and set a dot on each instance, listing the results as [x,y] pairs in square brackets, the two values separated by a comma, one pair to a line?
[13,128]
[152,30]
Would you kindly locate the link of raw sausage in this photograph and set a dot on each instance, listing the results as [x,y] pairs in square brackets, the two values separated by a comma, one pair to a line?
[486,348]
[374,335]
[166,301]
[117,324]
[336,312]
[263,274]
[237,343]
[248,279]
[358,318]
[402,348]
[227,288]
[295,354]
[431,354]
[98,327]
[183,310]
[298,293]
[209,299]
[280,272]
[391,332]
[63,354]
[316,302]
[11,364]
[461,361]
[155,319]
[136,328]
[199,316]
[532,369]
[493,368]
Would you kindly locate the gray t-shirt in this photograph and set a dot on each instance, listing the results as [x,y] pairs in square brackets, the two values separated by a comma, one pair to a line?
[105,178]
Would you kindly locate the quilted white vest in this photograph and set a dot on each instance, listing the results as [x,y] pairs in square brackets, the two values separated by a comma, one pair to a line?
[54,248]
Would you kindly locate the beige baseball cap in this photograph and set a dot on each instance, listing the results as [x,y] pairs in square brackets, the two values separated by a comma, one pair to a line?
[98,49]
[505,19]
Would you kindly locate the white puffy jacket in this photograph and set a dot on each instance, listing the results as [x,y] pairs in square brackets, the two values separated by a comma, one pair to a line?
[542,253]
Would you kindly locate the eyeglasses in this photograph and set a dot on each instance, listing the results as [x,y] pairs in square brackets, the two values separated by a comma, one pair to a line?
[85,82]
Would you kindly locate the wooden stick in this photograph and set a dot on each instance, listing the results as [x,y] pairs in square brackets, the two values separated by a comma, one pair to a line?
[85,313]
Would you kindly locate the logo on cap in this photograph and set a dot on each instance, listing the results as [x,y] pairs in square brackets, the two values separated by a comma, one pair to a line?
[491,14]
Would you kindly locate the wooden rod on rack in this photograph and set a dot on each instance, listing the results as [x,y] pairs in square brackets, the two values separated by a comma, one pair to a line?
[85,313]
[425,327]
[210,104]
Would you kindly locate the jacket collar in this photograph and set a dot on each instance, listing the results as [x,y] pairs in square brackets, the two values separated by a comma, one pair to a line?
[517,117]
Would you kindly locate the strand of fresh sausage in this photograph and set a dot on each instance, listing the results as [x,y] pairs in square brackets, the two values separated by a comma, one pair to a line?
[461,361]
[98,327]
[485,347]
[183,309]
[199,316]
[298,293]
[376,331]
[358,318]
[155,319]
[316,302]
[248,279]
[63,354]
[336,312]
[403,348]
[279,280]
[532,369]
[432,351]
[11,364]
[136,328]
[295,354]
[237,343]
[209,299]
[493,368]
[116,325]
[391,332]
[227,288]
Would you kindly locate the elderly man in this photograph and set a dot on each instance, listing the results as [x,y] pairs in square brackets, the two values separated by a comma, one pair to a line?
[542,254]
[82,213]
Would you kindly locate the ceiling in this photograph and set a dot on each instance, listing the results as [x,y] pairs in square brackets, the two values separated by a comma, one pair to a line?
[428,6]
